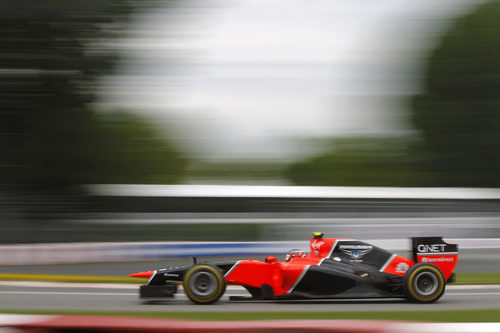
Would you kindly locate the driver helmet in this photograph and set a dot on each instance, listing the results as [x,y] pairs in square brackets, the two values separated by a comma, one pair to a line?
[295,253]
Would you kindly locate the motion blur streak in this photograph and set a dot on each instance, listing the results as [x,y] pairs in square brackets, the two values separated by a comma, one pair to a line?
[377,119]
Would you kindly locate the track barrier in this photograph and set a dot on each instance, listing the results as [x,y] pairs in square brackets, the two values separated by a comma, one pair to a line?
[61,253]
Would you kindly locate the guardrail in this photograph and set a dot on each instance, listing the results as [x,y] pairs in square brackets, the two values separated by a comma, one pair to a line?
[59,253]
[325,192]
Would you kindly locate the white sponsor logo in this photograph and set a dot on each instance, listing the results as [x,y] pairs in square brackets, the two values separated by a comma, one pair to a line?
[356,251]
[356,254]
[316,244]
[434,248]
[355,247]
[402,267]
[440,259]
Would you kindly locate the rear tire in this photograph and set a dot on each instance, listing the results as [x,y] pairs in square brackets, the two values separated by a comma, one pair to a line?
[204,284]
[424,283]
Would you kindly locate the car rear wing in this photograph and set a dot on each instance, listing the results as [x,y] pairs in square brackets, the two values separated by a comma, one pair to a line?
[434,250]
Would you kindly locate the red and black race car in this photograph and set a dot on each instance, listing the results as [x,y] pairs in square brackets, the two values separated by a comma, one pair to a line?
[334,268]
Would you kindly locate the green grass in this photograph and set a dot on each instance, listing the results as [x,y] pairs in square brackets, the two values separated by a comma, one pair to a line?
[69,278]
[463,278]
[478,278]
[486,315]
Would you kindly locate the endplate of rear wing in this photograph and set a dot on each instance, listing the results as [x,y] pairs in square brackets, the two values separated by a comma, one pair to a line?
[430,246]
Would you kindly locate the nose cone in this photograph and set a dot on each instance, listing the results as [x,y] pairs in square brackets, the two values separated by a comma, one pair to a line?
[144,275]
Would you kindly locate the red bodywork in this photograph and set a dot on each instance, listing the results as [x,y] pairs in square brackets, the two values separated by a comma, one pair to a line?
[282,276]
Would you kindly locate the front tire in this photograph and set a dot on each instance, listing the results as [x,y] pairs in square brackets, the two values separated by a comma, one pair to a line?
[204,284]
[424,283]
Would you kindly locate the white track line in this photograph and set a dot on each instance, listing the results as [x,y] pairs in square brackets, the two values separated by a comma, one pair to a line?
[46,284]
[473,286]
[444,328]
[43,284]
[22,292]
[473,294]
[72,293]
[16,319]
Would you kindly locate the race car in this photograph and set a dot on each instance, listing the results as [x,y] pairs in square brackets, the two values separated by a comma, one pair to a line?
[334,268]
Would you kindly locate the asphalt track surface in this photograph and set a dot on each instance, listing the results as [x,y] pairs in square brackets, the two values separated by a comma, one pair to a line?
[79,297]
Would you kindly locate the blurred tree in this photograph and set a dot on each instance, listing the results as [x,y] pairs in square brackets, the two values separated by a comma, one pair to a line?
[361,162]
[52,53]
[458,113]
[133,153]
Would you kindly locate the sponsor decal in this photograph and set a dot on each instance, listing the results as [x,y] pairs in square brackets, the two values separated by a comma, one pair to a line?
[402,267]
[171,274]
[356,251]
[432,248]
[440,259]
[355,247]
[316,244]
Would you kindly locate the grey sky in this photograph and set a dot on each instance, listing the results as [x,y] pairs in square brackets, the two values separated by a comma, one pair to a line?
[245,79]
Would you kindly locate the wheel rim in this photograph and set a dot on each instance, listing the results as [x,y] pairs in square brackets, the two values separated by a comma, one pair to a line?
[203,284]
[426,283]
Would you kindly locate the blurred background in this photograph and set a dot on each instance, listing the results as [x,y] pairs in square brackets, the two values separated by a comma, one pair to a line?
[126,120]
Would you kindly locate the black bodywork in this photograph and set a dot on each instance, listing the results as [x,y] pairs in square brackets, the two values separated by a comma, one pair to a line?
[338,276]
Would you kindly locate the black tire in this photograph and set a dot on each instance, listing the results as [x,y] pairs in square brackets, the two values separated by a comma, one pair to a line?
[424,283]
[204,284]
